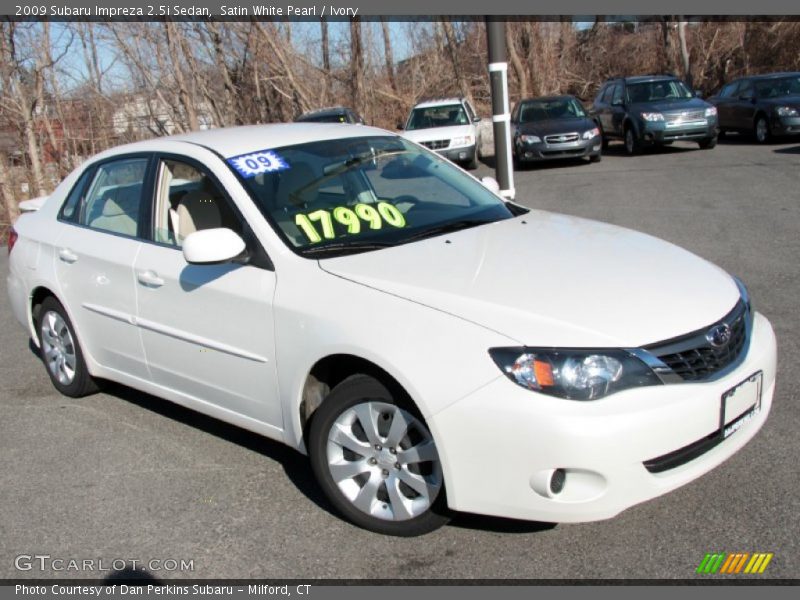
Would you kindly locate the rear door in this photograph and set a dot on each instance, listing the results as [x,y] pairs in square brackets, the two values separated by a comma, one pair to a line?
[95,254]
[207,330]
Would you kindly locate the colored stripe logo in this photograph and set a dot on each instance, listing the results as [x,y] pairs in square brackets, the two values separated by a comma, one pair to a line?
[734,563]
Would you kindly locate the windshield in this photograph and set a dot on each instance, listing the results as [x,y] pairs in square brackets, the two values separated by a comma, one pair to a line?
[437,116]
[558,108]
[775,88]
[357,194]
[657,91]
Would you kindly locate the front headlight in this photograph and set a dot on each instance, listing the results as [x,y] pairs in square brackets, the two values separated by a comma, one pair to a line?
[530,139]
[786,111]
[575,374]
[652,116]
[462,141]
[587,135]
[711,111]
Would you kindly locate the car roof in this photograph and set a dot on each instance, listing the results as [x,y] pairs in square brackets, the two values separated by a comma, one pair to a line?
[648,78]
[330,110]
[438,102]
[235,141]
[547,98]
[772,75]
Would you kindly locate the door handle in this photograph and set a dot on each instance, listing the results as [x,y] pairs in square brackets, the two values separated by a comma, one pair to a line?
[150,279]
[67,255]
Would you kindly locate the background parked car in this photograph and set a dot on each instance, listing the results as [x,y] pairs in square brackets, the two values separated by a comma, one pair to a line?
[652,110]
[764,105]
[553,127]
[333,114]
[448,127]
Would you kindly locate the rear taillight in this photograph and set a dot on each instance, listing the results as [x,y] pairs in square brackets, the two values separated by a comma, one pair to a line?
[12,239]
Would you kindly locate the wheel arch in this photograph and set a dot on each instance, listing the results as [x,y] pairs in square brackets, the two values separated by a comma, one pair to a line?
[38,295]
[328,372]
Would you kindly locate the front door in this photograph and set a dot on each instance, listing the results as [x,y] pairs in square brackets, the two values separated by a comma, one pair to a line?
[207,330]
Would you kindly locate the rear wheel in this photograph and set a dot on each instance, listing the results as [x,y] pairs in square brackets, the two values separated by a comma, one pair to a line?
[631,143]
[376,460]
[761,130]
[61,352]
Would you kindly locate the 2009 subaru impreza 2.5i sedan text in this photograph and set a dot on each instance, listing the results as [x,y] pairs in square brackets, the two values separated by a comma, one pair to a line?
[361,299]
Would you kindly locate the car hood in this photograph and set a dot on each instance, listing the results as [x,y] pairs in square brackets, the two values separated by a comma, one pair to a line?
[552,126]
[545,279]
[438,133]
[670,105]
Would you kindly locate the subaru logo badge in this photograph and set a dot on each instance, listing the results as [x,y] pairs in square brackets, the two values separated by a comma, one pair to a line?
[720,335]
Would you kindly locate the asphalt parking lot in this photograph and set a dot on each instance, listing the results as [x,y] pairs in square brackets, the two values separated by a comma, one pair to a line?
[122,475]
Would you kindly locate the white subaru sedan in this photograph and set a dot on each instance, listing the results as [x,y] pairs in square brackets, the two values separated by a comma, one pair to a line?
[361,299]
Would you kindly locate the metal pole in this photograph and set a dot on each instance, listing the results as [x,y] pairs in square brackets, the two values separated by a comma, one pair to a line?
[501,114]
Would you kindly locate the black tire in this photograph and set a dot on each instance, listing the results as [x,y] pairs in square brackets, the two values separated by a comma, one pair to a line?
[605,142]
[761,130]
[722,133]
[632,146]
[595,158]
[51,317]
[354,393]
[473,162]
[708,143]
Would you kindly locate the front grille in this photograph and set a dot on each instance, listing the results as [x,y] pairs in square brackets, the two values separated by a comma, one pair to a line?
[561,138]
[693,358]
[436,144]
[685,116]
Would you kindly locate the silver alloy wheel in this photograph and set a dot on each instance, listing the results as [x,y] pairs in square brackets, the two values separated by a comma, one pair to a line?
[58,347]
[384,461]
[762,130]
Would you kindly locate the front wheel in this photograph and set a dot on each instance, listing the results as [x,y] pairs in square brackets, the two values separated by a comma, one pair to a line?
[708,143]
[60,351]
[631,143]
[761,130]
[595,158]
[376,460]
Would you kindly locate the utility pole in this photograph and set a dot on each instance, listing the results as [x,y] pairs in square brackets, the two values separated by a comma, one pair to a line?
[501,114]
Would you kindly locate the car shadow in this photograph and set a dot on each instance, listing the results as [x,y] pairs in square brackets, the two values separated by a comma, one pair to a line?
[294,464]
[498,524]
[789,150]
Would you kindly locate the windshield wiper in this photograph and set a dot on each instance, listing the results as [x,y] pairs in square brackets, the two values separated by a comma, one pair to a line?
[446,228]
[341,248]
[340,167]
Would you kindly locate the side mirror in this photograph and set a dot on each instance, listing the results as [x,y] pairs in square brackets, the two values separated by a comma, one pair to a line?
[490,183]
[477,119]
[698,94]
[400,127]
[212,246]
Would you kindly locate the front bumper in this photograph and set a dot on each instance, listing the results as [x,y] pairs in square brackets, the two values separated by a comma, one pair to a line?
[544,151]
[785,126]
[459,154]
[495,443]
[659,132]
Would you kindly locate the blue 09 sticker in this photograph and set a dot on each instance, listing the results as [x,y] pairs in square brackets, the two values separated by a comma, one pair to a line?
[256,163]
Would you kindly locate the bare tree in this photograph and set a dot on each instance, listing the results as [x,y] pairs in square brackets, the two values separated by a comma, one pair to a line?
[356,65]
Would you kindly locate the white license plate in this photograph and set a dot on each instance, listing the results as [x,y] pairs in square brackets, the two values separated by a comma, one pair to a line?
[741,403]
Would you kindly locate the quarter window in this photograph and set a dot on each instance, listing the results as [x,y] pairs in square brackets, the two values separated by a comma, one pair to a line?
[114,198]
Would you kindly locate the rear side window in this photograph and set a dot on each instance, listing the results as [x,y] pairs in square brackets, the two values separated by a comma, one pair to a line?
[112,202]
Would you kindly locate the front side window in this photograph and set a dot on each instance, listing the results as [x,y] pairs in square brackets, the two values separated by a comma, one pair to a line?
[358,194]
[778,87]
[437,116]
[656,91]
[557,108]
[188,200]
[113,200]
